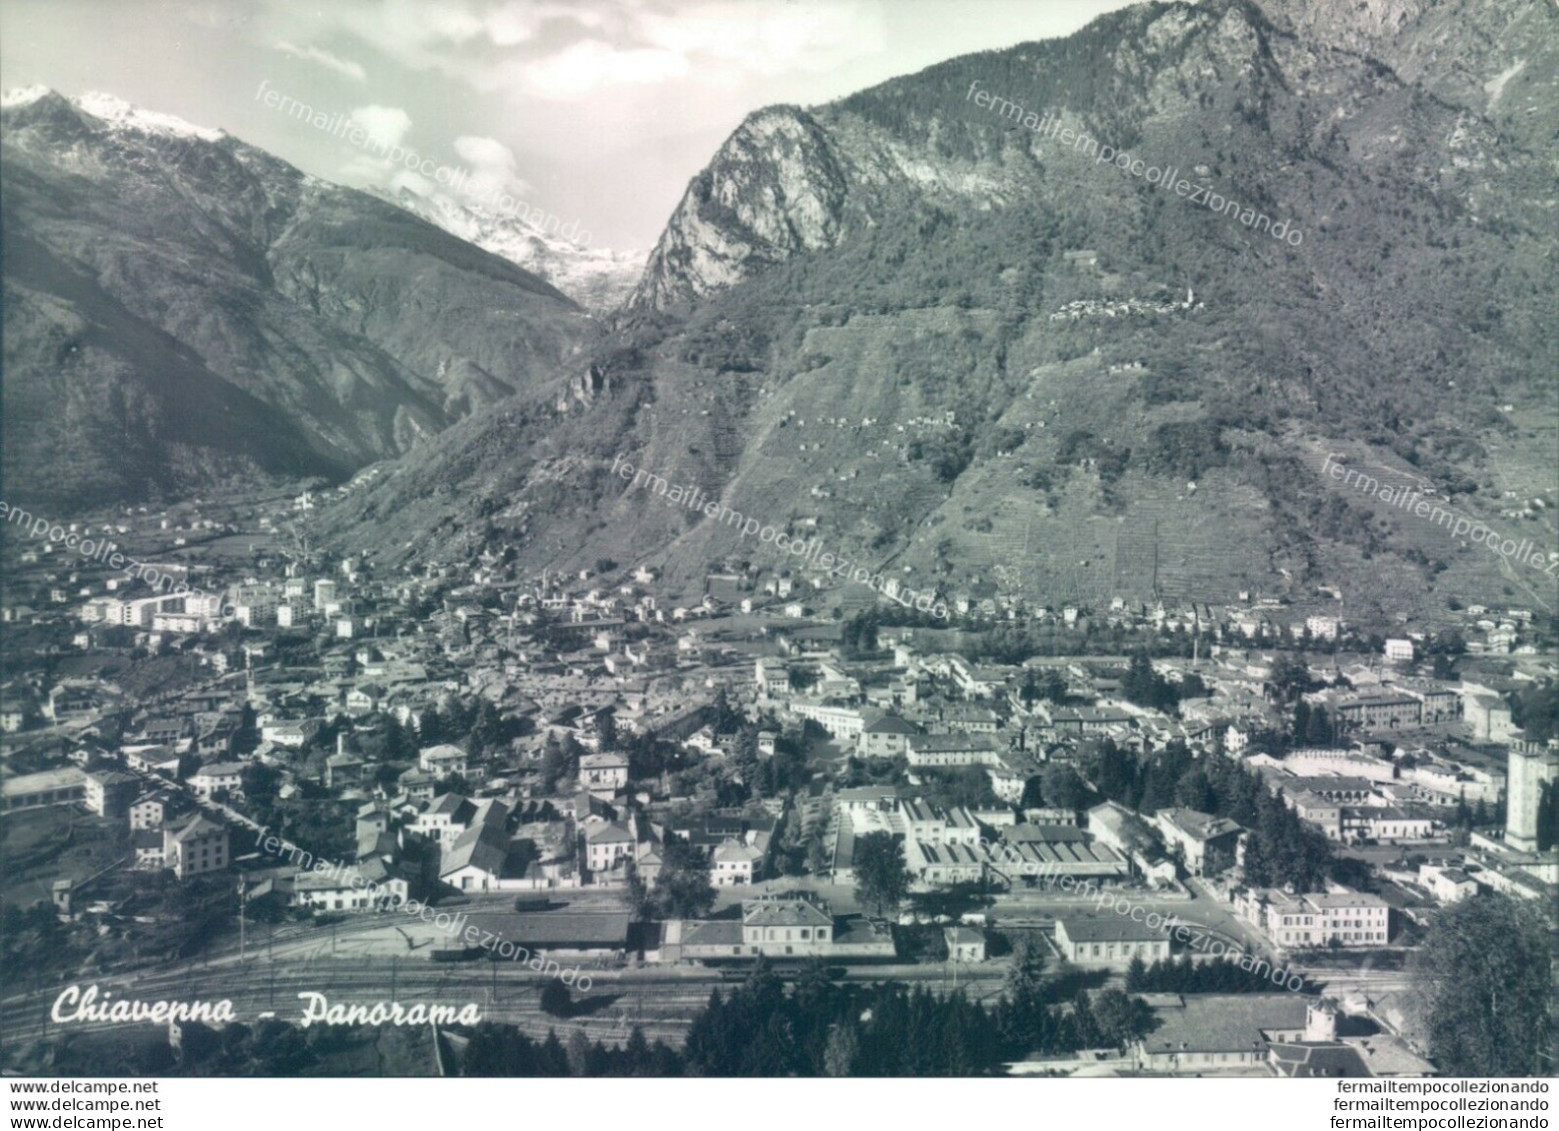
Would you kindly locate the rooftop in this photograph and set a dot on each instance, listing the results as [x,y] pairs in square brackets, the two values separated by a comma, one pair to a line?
[881,722]
[1108,928]
[783,913]
[1200,826]
[1225,1022]
[68,777]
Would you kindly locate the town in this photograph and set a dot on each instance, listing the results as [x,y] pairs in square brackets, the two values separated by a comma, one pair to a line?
[255,755]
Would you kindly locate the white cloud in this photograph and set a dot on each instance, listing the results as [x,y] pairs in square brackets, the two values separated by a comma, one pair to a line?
[492,165]
[325,59]
[768,38]
[590,63]
[561,51]
[417,33]
[384,125]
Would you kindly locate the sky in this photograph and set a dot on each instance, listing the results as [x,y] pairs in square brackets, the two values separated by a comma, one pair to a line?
[598,111]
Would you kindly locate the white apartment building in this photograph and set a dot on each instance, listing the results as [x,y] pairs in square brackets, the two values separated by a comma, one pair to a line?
[843,723]
[950,750]
[208,780]
[1351,918]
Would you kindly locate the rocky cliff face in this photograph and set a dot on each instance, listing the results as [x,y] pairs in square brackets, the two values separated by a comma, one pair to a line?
[773,191]
[181,307]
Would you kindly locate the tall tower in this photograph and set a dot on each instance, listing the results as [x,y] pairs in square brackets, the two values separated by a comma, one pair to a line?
[1532,765]
[1321,1020]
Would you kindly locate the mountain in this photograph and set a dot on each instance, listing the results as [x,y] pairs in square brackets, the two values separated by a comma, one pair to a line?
[599,279]
[1496,59]
[183,309]
[949,341]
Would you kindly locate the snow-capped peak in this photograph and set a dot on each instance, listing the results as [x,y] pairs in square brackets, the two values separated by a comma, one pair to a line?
[596,278]
[117,112]
[22,96]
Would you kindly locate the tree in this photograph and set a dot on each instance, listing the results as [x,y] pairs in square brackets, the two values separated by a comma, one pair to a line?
[639,894]
[1195,791]
[1547,816]
[817,852]
[430,727]
[1146,688]
[555,998]
[636,1053]
[557,764]
[840,1051]
[727,719]
[1113,770]
[553,1058]
[1319,730]
[881,876]
[1026,974]
[247,736]
[1064,787]
[578,1052]
[1290,677]
[744,756]
[1487,964]
[801,677]
[1119,1019]
[683,889]
[486,730]
[606,729]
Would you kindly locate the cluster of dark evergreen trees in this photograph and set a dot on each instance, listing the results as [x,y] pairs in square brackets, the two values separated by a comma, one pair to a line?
[819,1028]
[1185,976]
[502,1050]
[1146,688]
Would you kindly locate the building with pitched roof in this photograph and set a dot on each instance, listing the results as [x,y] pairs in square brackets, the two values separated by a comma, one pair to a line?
[1207,844]
[1340,918]
[47,787]
[950,750]
[788,921]
[1231,1033]
[964,944]
[475,861]
[603,773]
[1109,940]
[734,863]
[195,848]
[218,777]
[884,735]
[110,793]
[371,886]
[607,845]
[443,760]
